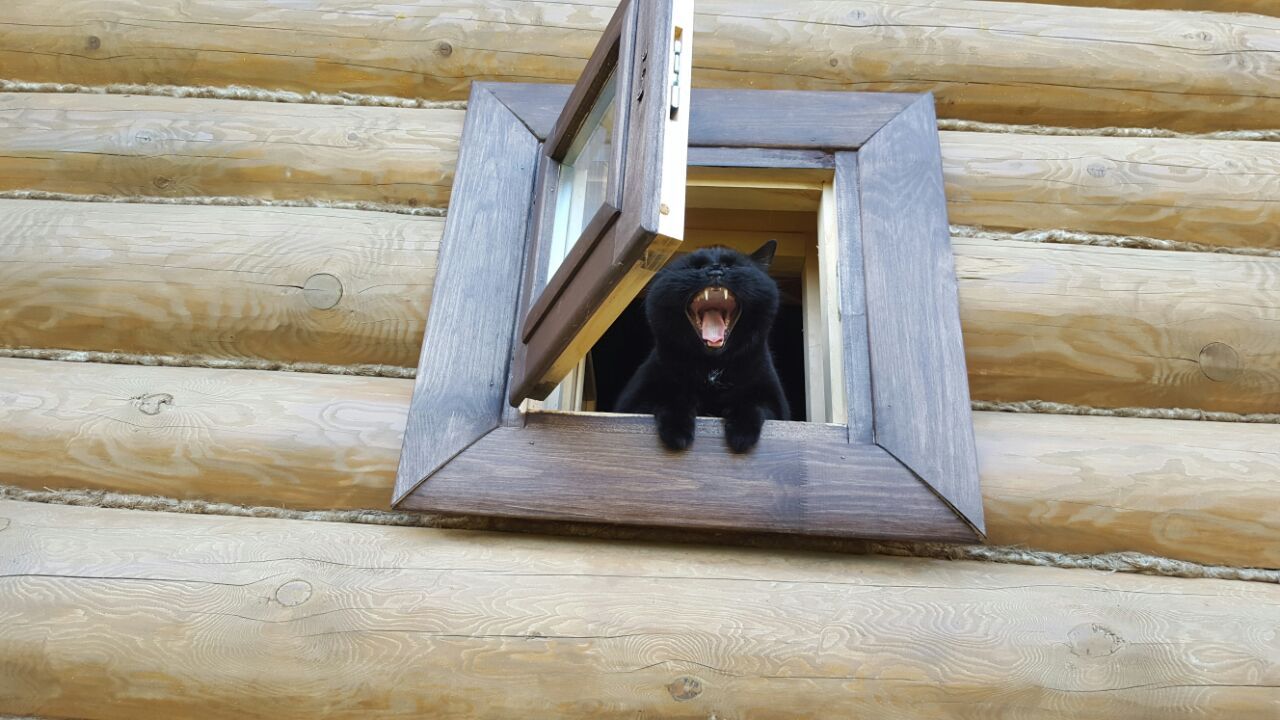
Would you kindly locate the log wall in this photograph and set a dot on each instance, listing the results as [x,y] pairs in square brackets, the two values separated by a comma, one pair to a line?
[1207,492]
[1209,192]
[1025,63]
[115,615]
[1079,324]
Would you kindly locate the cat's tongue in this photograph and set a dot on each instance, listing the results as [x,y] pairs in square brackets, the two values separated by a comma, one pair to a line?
[713,326]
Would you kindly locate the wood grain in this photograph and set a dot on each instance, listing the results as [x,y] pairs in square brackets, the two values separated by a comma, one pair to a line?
[115,615]
[282,284]
[1215,193]
[460,390]
[139,145]
[252,437]
[1173,488]
[1028,63]
[1082,324]
[1110,327]
[803,478]
[912,326]
[1200,491]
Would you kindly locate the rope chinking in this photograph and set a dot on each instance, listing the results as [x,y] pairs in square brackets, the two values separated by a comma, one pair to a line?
[226,201]
[201,361]
[1133,242]
[1127,562]
[1055,408]
[1124,132]
[233,92]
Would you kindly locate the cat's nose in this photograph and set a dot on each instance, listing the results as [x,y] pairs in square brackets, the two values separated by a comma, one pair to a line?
[716,273]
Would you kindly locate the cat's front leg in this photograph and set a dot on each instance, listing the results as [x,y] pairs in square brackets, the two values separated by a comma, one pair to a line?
[675,426]
[742,427]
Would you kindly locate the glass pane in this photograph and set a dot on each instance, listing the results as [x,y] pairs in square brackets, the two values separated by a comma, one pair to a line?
[584,175]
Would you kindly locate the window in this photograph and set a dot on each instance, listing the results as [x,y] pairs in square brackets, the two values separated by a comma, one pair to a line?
[567,200]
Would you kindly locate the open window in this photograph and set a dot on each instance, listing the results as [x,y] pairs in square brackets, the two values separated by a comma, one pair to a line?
[567,200]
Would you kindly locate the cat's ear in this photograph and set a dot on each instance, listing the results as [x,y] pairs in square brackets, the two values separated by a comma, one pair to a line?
[764,256]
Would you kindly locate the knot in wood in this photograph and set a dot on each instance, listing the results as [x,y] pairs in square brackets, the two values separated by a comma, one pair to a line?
[151,404]
[293,593]
[1219,362]
[162,182]
[444,49]
[1092,640]
[684,688]
[322,291]
[93,43]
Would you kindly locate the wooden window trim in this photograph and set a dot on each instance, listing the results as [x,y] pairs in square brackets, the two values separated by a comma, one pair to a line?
[904,466]
[632,233]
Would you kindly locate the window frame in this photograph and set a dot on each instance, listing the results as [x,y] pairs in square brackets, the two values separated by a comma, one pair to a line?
[647,47]
[903,467]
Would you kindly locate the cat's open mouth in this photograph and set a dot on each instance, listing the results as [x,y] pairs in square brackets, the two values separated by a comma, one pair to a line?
[713,311]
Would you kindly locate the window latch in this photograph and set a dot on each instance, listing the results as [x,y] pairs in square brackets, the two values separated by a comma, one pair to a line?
[677,47]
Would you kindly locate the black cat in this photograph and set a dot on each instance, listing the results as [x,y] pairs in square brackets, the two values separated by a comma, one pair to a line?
[710,313]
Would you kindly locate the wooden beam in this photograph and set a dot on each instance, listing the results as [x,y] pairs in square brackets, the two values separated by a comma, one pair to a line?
[170,147]
[1029,63]
[115,614]
[255,437]
[1101,326]
[1213,192]
[275,283]
[1210,192]
[1114,327]
[1200,491]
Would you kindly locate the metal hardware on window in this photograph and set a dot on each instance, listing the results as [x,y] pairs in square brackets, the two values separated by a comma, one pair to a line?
[677,46]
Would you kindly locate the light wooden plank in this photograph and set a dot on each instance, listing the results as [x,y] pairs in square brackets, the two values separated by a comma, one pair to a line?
[1027,63]
[171,147]
[1208,492]
[1216,192]
[280,284]
[116,614]
[1221,192]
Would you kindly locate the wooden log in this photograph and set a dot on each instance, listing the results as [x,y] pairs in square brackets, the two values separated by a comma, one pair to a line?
[1211,192]
[1099,326]
[1114,327]
[1207,492]
[1027,63]
[274,283]
[243,436]
[119,614]
[171,147]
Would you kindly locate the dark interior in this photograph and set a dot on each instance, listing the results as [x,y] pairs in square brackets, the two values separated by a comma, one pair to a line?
[627,342]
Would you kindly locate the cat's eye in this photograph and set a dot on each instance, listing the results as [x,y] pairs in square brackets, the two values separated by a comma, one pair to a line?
[567,201]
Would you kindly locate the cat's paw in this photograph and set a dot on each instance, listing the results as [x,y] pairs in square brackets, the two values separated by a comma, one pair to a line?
[676,433]
[741,439]
[742,430]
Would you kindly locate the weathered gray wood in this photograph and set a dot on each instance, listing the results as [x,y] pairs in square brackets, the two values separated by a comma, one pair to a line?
[611,55]
[745,118]
[801,478]
[920,389]
[462,370]
[759,158]
[853,300]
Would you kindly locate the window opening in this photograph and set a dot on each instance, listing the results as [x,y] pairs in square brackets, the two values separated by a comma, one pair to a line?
[742,208]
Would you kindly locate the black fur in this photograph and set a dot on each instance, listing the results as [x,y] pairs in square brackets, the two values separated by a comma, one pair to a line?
[683,377]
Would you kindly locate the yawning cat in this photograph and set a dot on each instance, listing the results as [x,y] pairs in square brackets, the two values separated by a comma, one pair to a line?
[710,313]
